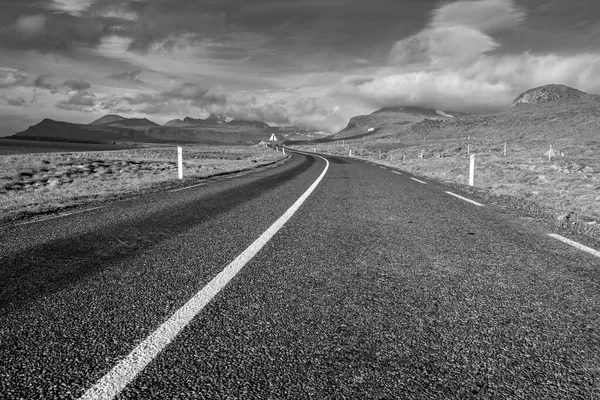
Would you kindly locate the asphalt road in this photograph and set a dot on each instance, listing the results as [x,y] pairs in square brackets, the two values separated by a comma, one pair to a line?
[378,287]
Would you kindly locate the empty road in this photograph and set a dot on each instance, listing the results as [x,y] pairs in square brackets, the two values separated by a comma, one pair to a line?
[374,285]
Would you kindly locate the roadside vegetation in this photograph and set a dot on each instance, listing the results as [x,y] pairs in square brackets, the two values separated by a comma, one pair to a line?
[566,186]
[47,182]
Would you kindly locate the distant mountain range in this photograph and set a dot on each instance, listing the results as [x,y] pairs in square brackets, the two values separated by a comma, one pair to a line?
[550,110]
[215,129]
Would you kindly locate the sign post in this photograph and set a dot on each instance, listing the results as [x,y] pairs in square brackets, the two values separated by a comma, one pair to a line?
[273,139]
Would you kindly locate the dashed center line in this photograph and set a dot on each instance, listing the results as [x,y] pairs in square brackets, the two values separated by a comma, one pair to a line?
[415,179]
[111,384]
[575,244]
[465,199]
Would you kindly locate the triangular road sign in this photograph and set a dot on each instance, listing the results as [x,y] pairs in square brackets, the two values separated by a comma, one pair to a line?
[273,138]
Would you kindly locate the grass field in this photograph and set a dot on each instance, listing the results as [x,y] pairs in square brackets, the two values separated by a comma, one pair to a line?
[46,182]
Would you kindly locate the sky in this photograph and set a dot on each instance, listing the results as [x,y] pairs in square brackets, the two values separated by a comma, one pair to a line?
[286,62]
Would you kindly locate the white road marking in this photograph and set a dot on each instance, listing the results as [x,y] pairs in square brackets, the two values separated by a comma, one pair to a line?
[58,216]
[111,384]
[396,172]
[188,187]
[383,167]
[465,199]
[575,244]
[415,179]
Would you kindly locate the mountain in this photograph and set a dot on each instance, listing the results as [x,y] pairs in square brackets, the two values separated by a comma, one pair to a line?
[254,124]
[174,122]
[107,119]
[548,113]
[548,93]
[388,117]
[133,122]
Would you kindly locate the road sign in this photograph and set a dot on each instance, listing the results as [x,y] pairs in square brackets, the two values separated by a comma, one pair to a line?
[273,138]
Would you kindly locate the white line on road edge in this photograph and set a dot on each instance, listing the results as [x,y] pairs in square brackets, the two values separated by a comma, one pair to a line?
[58,216]
[465,199]
[111,384]
[415,179]
[575,244]
[188,187]
[383,167]
[396,172]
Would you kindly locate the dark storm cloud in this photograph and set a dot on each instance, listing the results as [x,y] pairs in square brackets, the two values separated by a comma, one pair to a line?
[132,76]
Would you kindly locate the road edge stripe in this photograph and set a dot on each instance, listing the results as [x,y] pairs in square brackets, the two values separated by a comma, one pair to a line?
[575,244]
[465,199]
[415,179]
[111,384]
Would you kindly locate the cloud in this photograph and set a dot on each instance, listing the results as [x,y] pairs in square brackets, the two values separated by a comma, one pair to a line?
[10,77]
[180,98]
[483,15]
[489,84]
[356,80]
[44,82]
[17,101]
[57,33]
[83,100]
[77,84]
[132,76]
[30,25]
[458,33]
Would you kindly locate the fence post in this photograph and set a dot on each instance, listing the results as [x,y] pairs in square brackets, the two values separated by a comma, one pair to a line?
[179,162]
[472,170]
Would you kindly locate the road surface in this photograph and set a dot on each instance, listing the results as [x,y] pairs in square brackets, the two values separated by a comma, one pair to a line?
[379,286]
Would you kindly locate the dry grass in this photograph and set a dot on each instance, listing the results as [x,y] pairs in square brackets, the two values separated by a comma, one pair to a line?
[44,182]
[569,183]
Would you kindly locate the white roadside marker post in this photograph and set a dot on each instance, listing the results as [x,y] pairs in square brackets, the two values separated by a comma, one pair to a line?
[350,153]
[550,154]
[283,148]
[472,170]
[272,139]
[504,149]
[179,162]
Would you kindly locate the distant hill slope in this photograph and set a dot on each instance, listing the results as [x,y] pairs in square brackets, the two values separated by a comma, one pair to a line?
[550,112]
[133,122]
[388,118]
[547,93]
[107,119]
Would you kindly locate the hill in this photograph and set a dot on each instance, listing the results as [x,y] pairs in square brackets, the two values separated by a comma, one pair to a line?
[382,121]
[107,119]
[133,122]
[548,93]
[551,112]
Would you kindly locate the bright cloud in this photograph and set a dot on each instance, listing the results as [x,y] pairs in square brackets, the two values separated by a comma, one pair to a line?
[451,64]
